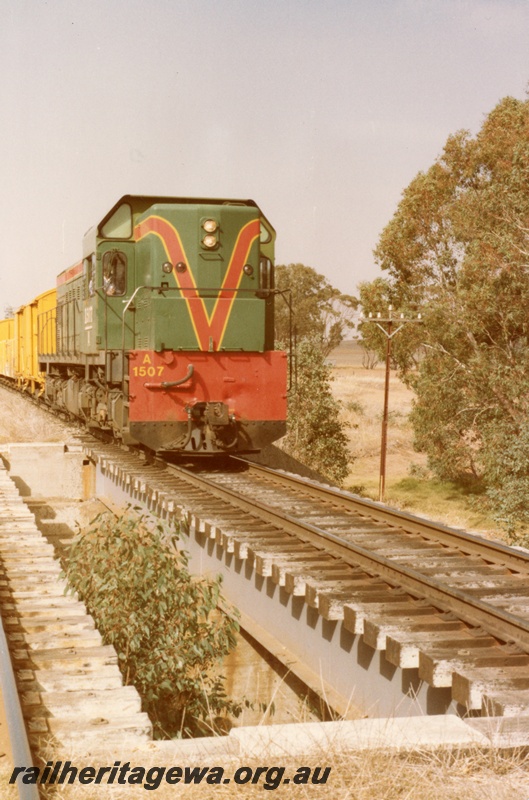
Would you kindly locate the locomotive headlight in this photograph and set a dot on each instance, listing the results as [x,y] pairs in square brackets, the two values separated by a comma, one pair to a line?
[167,267]
[209,240]
[248,269]
[210,225]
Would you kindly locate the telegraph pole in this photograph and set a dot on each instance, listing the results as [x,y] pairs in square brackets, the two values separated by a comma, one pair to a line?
[386,326]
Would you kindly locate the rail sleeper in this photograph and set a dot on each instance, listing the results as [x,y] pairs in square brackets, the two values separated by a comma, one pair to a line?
[474,690]
[69,682]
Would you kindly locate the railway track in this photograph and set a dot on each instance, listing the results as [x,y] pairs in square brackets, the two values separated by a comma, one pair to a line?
[450,605]
[464,573]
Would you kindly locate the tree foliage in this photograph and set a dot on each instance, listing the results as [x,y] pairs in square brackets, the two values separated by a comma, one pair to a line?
[316,435]
[320,311]
[458,250]
[163,623]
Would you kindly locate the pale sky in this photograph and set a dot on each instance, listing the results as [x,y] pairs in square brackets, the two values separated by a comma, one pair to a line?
[322,111]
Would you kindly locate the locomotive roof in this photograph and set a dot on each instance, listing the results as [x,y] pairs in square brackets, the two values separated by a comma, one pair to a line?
[149,200]
[139,201]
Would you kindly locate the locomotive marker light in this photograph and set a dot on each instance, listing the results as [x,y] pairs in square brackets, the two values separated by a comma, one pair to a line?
[167,267]
[389,333]
[181,267]
[248,269]
[209,240]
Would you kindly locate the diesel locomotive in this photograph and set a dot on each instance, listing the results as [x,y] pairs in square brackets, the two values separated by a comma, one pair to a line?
[163,334]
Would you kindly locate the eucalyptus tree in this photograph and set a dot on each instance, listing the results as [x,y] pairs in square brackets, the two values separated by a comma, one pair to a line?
[457,249]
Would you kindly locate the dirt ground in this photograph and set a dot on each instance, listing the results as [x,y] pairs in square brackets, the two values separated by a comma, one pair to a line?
[27,423]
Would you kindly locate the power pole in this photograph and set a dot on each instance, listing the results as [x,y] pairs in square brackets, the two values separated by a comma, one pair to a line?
[386,326]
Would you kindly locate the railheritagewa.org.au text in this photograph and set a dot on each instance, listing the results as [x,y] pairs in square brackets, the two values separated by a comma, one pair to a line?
[151,778]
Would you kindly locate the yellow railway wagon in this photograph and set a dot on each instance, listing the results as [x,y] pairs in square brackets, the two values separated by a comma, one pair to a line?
[33,322]
[7,347]
[46,322]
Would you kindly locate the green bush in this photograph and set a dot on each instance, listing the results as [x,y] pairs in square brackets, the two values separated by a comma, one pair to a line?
[505,458]
[164,623]
[355,407]
[315,434]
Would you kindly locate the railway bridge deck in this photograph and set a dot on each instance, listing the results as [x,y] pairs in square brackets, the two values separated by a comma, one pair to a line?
[387,614]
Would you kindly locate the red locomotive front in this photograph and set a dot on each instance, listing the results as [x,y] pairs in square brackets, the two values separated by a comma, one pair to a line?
[204,376]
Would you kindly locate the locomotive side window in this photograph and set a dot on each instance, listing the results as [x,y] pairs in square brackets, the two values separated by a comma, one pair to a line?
[90,275]
[266,274]
[114,273]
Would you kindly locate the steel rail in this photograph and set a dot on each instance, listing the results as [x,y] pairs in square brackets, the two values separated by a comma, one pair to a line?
[18,738]
[501,624]
[470,543]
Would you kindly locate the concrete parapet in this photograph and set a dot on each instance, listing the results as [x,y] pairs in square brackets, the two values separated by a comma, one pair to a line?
[47,469]
[323,739]
[407,733]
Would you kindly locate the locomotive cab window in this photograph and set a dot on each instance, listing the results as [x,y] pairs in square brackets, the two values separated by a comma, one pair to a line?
[90,275]
[114,273]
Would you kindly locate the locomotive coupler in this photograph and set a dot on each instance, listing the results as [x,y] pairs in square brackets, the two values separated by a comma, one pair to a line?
[217,414]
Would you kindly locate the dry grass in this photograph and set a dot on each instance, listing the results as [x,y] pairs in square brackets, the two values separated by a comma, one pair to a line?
[362,394]
[7,792]
[409,485]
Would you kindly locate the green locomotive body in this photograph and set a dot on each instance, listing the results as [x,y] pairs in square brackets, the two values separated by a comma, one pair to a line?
[164,330]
